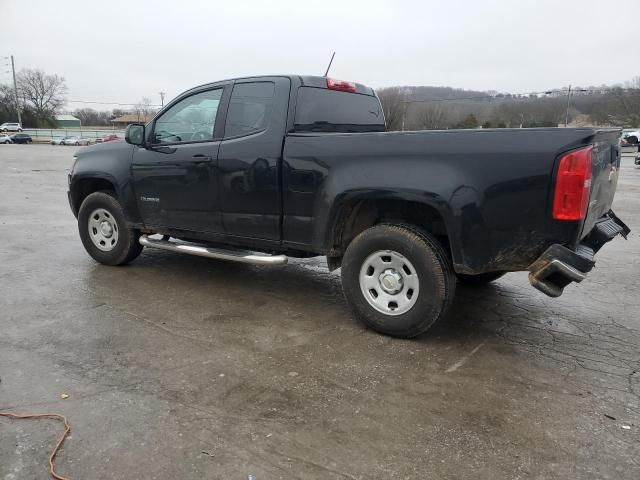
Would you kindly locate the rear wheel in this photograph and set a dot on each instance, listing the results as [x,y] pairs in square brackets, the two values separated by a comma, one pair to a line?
[397,280]
[104,232]
[482,279]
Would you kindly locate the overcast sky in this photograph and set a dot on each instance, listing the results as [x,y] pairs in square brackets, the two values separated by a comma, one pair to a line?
[120,51]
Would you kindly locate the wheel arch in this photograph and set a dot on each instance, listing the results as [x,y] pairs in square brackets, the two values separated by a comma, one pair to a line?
[355,213]
[83,187]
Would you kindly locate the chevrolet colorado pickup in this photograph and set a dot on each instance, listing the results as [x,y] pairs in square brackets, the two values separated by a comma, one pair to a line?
[261,169]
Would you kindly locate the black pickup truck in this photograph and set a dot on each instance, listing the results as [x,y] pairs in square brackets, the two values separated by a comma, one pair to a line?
[261,169]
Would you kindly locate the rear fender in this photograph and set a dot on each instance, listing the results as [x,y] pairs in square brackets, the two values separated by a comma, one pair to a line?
[344,204]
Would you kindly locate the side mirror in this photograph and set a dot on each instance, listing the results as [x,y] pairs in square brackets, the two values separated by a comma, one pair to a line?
[135,134]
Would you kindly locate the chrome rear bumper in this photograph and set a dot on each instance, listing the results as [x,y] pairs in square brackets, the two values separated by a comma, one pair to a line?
[559,266]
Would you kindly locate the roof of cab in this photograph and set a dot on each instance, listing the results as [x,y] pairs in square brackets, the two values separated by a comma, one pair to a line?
[304,80]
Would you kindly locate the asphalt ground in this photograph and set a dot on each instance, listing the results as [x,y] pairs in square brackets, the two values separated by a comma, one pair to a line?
[190,368]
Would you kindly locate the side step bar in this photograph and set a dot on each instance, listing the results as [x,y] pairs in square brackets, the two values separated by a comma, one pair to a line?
[242,256]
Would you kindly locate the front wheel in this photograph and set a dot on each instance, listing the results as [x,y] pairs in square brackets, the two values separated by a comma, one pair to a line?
[104,232]
[397,280]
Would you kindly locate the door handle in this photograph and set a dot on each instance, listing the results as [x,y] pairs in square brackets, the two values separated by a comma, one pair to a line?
[200,158]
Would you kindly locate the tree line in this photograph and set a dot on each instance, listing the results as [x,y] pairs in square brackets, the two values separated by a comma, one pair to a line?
[417,108]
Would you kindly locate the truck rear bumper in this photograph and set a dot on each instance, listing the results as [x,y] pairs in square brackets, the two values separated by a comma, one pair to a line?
[559,266]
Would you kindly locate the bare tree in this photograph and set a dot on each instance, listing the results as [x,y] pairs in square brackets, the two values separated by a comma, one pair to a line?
[43,93]
[91,117]
[144,109]
[634,83]
[433,117]
[7,104]
[627,108]
[393,101]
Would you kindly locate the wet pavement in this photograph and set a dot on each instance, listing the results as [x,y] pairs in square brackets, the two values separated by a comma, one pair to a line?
[190,368]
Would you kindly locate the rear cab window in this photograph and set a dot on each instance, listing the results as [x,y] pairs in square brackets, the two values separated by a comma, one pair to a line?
[325,110]
[249,108]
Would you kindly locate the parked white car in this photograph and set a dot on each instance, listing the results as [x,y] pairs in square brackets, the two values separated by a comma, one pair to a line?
[11,127]
[630,137]
[71,141]
[5,139]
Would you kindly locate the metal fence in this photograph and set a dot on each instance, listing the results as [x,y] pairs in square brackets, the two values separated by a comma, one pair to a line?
[48,134]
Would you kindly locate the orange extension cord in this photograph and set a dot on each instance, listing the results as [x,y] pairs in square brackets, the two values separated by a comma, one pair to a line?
[53,453]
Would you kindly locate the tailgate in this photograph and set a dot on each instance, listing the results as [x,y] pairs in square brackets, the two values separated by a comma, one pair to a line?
[606,164]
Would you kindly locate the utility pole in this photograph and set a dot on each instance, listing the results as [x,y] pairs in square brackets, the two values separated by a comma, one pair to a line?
[162,94]
[566,117]
[15,91]
[404,113]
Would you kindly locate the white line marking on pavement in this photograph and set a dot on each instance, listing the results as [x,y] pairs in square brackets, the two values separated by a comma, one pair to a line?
[463,360]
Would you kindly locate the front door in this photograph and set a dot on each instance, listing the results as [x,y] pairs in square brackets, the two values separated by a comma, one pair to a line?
[175,176]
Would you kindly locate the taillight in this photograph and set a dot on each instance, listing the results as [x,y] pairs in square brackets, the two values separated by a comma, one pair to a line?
[341,85]
[573,185]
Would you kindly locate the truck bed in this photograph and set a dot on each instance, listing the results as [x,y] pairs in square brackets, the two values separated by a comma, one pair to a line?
[492,187]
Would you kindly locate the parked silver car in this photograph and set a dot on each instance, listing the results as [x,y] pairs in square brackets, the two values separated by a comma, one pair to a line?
[71,141]
[11,127]
[5,139]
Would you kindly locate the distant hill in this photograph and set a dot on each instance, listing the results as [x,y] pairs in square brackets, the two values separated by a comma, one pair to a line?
[434,93]
[429,107]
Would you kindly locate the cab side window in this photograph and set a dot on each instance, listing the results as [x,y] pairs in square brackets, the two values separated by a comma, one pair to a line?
[192,119]
[249,108]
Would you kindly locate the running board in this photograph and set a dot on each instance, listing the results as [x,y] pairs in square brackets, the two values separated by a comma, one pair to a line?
[242,256]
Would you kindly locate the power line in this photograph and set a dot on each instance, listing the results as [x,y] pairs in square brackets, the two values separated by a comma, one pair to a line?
[111,103]
[510,96]
[556,93]
[499,96]
[520,96]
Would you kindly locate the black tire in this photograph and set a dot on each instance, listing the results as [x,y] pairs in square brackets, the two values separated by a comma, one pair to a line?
[437,281]
[478,280]
[127,246]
